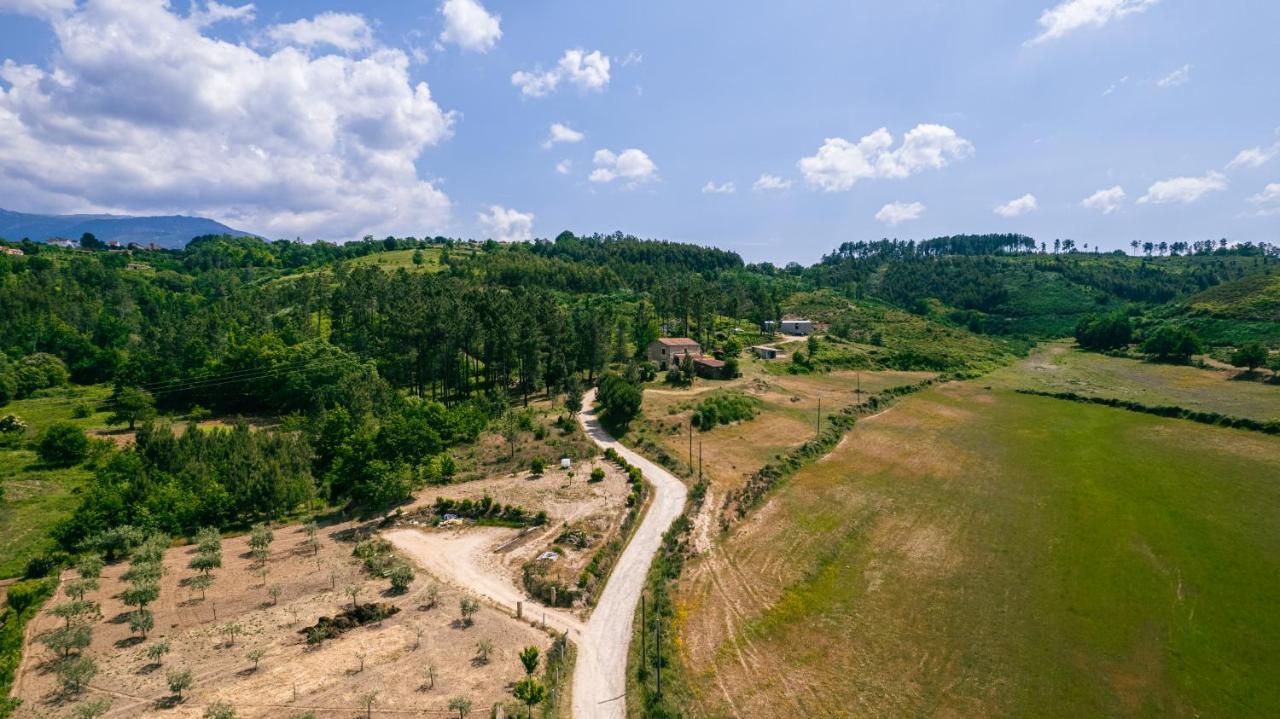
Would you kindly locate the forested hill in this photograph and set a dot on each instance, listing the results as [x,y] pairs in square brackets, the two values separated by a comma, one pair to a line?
[173,231]
[377,356]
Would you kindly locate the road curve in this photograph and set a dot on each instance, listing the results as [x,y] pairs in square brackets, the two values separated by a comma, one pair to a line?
[600,673]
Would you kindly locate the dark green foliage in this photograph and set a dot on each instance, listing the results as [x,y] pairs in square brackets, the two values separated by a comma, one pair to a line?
[619,399]
[724,408]
[1104,332]
[24,601]
[202,478]
[1251,356]
[486,511]
[1172,342]
[132,405]
[62,444]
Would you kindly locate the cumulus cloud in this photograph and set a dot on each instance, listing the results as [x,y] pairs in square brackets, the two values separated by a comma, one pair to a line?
[1108,201]
[770,182]
[631,165]
[469,26]
[588,71]
[139,111]
[724,188]
[216,12]
[895,213]
[44,9]
[345,31]
[1178,77]
[506,225]
[564,167]
[1254,157]
[1017,208]
[839,164]
[1184,189]
[1071,15]
[1268,201]
[561,133]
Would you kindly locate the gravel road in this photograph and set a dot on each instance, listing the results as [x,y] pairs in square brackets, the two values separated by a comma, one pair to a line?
[600,674]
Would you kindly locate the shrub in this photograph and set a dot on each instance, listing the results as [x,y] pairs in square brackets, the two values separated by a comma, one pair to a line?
[724,408]
[81,411]
[538,465]
[401,576]
[62,444]
[597,475]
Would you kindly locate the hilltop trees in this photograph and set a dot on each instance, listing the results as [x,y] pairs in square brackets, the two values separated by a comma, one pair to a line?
[1104,332]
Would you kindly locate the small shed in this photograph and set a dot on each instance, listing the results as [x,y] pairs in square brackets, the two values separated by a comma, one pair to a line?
[766,352]
[709,367]
[565,463]
[797,327]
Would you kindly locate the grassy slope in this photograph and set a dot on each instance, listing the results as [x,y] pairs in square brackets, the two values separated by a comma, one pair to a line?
[1059,368]
[1255,297]
[1022,556]
[36,497]
[907,341]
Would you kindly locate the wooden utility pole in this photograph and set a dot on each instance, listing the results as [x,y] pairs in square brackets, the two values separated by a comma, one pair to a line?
[644,644]
[699,460]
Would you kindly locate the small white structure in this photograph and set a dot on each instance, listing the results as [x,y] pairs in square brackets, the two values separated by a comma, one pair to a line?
[766,352]
[565,463]
[797,327]
[548,557]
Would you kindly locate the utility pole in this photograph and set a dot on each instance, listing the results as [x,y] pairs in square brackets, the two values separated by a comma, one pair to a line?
[691,444]
[657,654]
[699,460]
[644,644]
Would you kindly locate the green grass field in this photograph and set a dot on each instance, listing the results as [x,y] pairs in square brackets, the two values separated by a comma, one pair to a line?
[1057,367]
[402,259]
[974,552]
[36,497]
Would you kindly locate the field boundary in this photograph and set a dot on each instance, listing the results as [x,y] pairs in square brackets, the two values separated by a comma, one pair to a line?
[1217,419]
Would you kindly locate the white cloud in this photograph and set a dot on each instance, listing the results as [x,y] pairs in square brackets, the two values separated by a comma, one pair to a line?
[588,71]
[1115,86]
[725,188]
[344,31]
[1108,201]
[1268,200]
[141,112]
[1017,208]
[1184,189]
[839,164]
[1178,77]
[562,133]
[770,182]
[216,12]
[1071,15]
[633,58]
[1254,157]
[506,225]
[631,165]
[564,167]
[44,9]
[895,213]
[469,26]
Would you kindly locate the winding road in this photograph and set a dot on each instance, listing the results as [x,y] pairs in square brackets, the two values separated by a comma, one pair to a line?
[600,674]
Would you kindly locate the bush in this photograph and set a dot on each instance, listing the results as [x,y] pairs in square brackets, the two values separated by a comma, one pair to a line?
[43,565]
[538,465]
[401,576]
[724,408]
[82,411]
[62,444]
[597,475]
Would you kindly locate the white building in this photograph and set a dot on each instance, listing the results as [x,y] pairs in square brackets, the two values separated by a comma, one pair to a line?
[797,327]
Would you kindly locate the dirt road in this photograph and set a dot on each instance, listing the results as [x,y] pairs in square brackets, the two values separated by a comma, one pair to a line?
[600,674]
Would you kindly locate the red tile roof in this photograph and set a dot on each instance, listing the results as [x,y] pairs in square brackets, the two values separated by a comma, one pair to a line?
[676,341]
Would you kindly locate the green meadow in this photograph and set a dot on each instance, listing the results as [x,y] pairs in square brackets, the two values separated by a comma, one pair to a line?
[976,552]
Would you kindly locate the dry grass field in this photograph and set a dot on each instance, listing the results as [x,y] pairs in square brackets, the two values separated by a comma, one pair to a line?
[293,679]
[973,552]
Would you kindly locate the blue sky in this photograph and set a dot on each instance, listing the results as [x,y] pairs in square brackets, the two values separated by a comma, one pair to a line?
[908,119]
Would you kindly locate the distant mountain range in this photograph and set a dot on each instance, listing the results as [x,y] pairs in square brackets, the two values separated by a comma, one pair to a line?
[173,232]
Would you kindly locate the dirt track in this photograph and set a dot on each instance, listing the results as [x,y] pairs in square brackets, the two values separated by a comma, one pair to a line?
[600,675]
[458,558]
